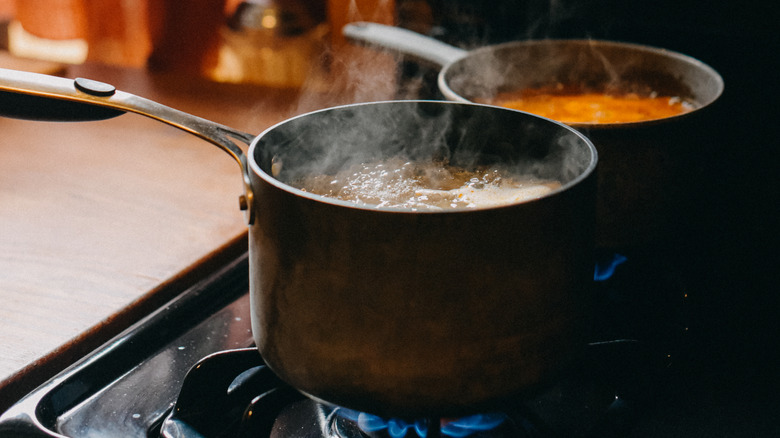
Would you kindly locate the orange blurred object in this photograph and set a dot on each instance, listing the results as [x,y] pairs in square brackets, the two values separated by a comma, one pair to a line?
[118,32]
[169,35]
[185,34]
[49,30]
[7,9]
[52,19]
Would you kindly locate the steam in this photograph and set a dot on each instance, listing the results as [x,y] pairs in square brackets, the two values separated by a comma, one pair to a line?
[348,73]
[330,141]
[552,15]
[409,136]
[342,138]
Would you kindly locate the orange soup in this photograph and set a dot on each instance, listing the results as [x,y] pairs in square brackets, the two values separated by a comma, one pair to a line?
[592,107]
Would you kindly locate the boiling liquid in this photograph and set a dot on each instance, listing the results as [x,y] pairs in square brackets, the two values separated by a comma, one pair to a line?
[430,186]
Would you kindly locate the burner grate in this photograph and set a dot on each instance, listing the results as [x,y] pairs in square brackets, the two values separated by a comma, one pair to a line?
[233,394]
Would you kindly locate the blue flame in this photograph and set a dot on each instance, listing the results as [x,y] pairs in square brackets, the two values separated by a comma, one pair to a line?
[604,272]
[476,423]
[398,428]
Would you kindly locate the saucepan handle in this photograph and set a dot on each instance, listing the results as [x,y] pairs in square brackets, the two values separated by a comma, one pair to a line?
[35,96]
[404,41]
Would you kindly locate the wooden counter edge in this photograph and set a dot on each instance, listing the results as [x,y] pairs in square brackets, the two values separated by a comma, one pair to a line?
[36,373]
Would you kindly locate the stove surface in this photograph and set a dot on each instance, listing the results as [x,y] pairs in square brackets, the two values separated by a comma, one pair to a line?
[125,388]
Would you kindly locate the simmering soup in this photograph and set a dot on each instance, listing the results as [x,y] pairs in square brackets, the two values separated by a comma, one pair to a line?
[570,106]
[425,186]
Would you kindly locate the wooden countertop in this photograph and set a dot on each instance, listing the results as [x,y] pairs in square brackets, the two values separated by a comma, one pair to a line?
[100,220]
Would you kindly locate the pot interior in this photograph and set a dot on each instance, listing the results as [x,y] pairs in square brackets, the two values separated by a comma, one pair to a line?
[464,135]
[585,65]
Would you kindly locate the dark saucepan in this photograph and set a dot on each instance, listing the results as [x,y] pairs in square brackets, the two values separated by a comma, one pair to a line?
[390,311]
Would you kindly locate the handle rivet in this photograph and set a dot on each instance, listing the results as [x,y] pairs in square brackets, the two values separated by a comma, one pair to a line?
[94,88]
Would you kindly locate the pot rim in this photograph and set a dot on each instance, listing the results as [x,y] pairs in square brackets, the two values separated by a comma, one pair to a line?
[254,166]
[717,79]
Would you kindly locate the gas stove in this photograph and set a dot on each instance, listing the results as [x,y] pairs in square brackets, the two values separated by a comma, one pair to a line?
[190,370]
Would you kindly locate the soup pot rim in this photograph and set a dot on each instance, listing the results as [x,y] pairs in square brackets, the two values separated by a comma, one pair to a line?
[718,86]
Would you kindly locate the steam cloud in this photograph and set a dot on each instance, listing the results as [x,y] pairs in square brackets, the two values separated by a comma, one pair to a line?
[332,140]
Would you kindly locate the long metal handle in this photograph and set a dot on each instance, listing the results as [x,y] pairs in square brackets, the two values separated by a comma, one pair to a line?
[404,41]
[36,96]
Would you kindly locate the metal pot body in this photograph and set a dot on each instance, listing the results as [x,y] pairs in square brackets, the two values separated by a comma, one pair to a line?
[404,313]
[647,169]
[387,311]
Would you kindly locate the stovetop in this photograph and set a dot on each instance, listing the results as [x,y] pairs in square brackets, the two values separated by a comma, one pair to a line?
[129,384]
[190,370]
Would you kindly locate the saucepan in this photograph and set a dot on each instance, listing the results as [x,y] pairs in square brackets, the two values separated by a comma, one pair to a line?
[388,310]
[648,170]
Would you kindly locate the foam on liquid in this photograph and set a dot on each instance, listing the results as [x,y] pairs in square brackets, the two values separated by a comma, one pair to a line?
[425,186]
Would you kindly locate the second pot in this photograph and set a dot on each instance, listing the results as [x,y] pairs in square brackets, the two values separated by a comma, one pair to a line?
[647,170]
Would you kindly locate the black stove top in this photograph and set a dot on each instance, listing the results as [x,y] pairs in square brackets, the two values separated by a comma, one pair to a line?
[126,387]
[190,370]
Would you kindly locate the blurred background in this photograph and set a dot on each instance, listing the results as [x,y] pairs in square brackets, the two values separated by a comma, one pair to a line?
[297,44]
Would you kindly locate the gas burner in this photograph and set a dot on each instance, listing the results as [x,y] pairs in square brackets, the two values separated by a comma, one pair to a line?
[233,393]
[229,393]
[345,423]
